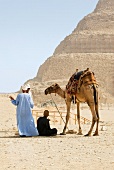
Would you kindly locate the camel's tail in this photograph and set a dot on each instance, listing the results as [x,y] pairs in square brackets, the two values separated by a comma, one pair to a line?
[95,94]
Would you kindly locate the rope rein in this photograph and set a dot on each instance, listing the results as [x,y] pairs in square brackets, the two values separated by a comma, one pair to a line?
[58,110]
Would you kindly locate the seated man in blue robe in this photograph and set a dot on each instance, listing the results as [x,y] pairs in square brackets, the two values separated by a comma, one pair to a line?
[43,126]
[25,121]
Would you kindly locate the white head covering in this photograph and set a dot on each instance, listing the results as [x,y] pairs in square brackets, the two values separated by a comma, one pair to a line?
[28,86]
[24,87]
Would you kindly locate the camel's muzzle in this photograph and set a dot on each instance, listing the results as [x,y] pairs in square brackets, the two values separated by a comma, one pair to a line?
[45,92]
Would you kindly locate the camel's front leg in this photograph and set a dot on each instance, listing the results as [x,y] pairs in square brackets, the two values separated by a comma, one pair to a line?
[67,117]
[78,117]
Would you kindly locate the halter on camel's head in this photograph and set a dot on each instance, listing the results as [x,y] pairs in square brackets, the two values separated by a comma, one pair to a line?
[87,78]
[52,89]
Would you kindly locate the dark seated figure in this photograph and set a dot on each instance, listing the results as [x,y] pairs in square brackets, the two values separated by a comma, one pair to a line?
[43,126]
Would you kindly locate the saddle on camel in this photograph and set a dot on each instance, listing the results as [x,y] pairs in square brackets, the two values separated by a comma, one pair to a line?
[76,81]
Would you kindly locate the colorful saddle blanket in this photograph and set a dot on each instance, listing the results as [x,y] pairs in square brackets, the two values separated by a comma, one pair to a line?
[71,87]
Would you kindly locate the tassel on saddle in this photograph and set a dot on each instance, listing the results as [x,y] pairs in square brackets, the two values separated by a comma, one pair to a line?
[73,99]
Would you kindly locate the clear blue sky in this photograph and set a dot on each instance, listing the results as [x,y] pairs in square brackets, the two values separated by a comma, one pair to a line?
[30,30]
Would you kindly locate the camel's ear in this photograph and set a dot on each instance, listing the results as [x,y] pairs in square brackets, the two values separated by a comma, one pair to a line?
[55,84]
[87,69]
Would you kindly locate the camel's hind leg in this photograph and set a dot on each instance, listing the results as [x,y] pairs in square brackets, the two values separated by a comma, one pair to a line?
[94,118]
[97,113]
[78,117]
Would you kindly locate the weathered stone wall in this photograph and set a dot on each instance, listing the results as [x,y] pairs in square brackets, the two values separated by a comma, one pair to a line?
[93,34]
[88,43]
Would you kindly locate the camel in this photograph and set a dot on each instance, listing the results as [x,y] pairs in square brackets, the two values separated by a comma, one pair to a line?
[87,91]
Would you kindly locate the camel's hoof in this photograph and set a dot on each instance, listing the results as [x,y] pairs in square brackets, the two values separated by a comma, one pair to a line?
[80,133]
[71,132]
[87,135]
[95,134]
[62,133]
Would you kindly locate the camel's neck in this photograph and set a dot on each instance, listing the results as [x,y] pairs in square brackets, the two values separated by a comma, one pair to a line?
[61,92]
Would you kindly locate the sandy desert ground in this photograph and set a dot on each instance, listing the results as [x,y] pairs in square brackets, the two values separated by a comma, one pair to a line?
[69,152]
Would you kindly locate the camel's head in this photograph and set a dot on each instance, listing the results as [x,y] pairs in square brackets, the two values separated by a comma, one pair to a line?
[52,89]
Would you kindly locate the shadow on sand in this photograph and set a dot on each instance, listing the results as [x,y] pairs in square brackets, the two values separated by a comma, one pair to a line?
[8,134]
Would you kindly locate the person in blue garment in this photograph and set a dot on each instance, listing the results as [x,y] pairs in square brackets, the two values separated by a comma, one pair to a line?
[25,121]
